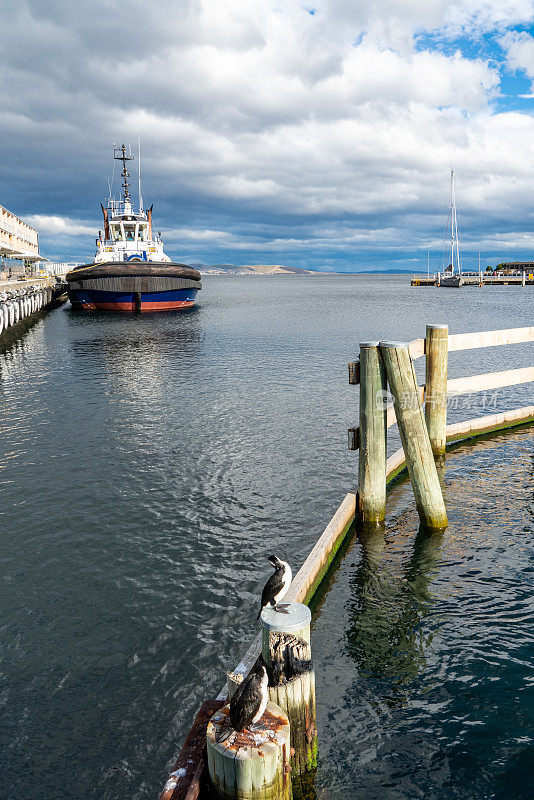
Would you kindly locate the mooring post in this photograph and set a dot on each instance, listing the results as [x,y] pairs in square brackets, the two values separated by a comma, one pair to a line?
[414,435]
[437,341]
[287,652]
[250,763]
[373,427]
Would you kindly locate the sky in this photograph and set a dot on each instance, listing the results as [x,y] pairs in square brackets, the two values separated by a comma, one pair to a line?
[318,135]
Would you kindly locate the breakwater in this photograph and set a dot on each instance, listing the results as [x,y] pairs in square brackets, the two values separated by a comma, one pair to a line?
[473,279]
[20,300]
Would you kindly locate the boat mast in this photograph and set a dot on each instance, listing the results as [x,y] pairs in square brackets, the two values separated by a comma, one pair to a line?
[119,154]
[139,175]
[455,248]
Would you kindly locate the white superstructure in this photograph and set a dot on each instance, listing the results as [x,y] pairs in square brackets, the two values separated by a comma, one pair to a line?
[128,234]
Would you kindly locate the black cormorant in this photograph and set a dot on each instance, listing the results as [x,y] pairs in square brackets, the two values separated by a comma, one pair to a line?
[277,585]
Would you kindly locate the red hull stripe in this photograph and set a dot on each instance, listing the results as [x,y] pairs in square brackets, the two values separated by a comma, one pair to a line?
[129,307]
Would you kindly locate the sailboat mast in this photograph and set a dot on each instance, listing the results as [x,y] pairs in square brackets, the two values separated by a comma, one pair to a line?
[455,246]
[453,221]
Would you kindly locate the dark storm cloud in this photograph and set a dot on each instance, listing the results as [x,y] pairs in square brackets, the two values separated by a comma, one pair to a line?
[266,131]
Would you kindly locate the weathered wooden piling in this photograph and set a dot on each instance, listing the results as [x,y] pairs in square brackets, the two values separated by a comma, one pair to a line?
[286,650]
[414,435]
[372,435]
[436,386]
[252,764]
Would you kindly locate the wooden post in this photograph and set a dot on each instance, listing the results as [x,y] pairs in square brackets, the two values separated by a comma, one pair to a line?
[436,386]
[414,435]
[373,426]
[286,651]
[250,763]
[354,372]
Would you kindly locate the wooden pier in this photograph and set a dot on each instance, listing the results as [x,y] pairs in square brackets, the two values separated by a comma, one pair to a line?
[430,430]
[475,279]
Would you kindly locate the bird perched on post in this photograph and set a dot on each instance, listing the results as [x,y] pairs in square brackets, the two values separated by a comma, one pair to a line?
[277,585]
[250,698]
[249,701]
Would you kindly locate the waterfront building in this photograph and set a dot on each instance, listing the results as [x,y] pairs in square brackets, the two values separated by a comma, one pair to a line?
[18,242]
[516,267]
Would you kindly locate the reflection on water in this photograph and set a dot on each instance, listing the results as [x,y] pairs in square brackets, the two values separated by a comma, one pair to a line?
[423,692]
[386,638]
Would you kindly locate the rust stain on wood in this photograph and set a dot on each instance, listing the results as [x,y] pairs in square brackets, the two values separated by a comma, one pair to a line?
[270,725]
[184,781]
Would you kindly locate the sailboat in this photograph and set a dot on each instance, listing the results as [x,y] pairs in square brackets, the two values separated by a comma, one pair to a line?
[452,275]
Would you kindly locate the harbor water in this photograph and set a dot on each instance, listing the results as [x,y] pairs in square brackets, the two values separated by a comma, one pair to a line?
[150,464]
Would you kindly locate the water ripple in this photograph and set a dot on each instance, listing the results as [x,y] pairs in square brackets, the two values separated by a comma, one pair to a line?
[148,465]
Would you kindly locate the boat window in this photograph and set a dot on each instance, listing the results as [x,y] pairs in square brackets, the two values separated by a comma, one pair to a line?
[142,233]
[115,232]
[129,231]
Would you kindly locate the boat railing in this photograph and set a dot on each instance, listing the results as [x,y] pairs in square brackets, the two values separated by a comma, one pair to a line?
[132,243]
[117,208]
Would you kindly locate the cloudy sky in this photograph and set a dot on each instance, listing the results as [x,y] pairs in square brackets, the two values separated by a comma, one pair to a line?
[316,134]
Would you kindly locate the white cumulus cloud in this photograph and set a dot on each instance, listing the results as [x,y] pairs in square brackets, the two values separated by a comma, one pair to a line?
[283,118]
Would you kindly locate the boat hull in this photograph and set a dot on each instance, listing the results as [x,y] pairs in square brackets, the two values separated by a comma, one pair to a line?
[133,288]
[128,302]
[452,282]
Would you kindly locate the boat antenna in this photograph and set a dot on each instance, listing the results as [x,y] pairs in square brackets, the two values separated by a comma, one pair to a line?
[139,174]
[110,184]
[119,154]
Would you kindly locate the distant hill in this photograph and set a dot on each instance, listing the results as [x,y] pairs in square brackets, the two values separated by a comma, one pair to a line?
[283,269]
[275,269]
[251,269]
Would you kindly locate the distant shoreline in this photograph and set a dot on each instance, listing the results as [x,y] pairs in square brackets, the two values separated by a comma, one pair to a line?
[238,273]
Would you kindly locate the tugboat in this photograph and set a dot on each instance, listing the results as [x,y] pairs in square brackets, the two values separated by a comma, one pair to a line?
[130,271]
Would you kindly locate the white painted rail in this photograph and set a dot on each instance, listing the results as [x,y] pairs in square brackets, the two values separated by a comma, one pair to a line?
[472,383]
[470,341]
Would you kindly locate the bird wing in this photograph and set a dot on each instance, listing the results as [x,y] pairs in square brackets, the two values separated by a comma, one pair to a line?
[271,588]
[245,703]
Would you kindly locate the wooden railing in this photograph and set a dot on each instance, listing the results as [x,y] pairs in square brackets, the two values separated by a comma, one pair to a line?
[467,385]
